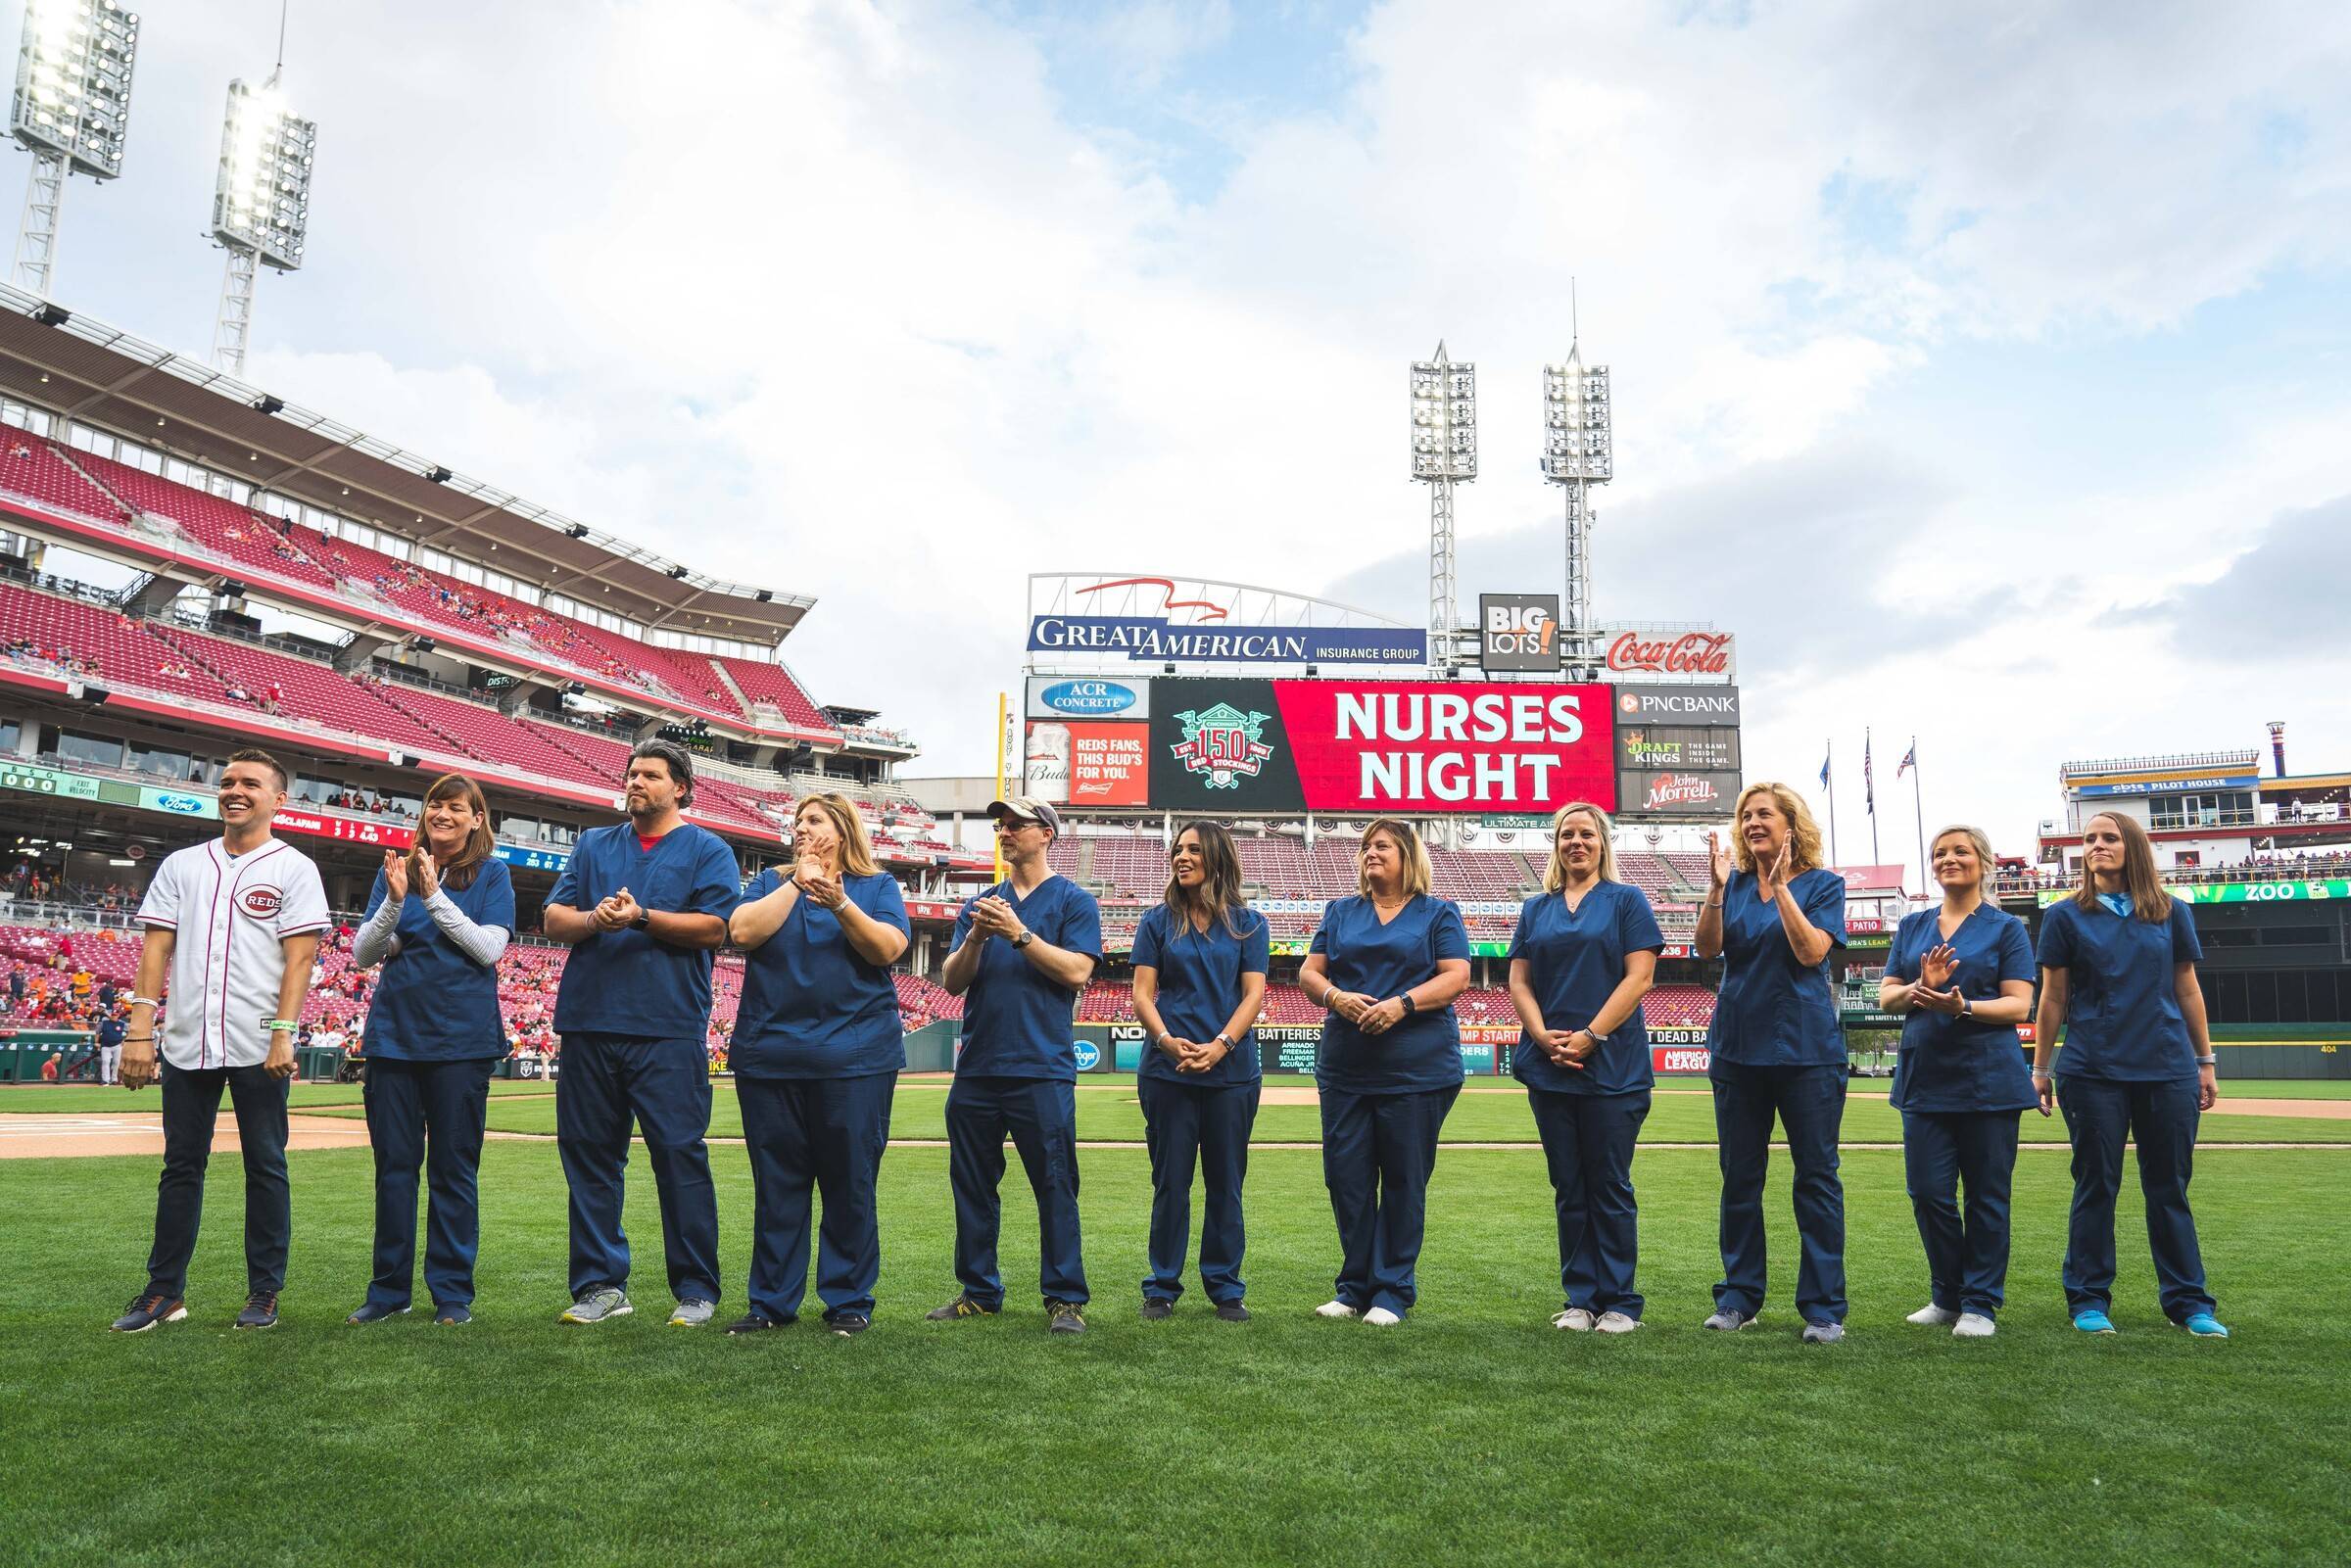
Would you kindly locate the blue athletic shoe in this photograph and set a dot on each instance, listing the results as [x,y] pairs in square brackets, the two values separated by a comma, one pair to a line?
[2092,1321]
[2205,1326]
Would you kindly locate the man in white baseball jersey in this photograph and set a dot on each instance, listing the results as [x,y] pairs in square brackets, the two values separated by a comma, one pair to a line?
[233,924]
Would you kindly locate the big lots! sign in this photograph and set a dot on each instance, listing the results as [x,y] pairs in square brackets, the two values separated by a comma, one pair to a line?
[1366,747]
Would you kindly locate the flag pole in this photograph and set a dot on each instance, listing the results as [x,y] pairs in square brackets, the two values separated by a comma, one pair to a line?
[1869,796]
[1827,783]
[1926,879]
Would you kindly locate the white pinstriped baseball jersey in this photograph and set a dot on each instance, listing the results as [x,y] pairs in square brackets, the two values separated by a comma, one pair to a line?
[231,918]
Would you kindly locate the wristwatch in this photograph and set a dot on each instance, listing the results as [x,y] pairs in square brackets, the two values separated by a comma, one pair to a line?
[1967,1007]
[643,921]
[1410,1007]
[1023,939]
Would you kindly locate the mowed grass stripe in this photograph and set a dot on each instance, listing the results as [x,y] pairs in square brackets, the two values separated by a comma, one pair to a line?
[1473,1433]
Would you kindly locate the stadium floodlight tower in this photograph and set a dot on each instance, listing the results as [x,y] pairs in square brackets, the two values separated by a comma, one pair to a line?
[1444,455]
[71,113]
[261,205]
[1575,457]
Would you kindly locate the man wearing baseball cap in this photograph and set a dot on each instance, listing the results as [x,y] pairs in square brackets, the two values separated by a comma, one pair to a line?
[1023,952]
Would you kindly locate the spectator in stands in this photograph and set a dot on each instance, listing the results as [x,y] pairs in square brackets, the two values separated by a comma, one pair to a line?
[1582,957]
[15,989]
[1023,950]
[817,1051]
[642,904]
[1962,975]
[2138,1068]
[1200,962]
[1386,964]
[431,1042]
[1777,1047]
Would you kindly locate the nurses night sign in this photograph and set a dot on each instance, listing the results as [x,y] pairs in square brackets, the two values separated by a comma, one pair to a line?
[1363,748]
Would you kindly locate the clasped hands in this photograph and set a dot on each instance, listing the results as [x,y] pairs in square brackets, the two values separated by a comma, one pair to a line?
[1567,1048]
[1195,1056]
[617,911]
[993,916]
[824,891]
[395,875]
[1368,1014]
[1932,991]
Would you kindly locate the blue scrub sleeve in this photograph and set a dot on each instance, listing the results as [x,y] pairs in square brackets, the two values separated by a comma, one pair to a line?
[2016,952]
[1146,941]
[1904,954]
[1080,928]
[1450,937]
[1518,931]
[766,882]
[1824,906]
[567,883]
[717,884]
[2185,949]
[1636,925]
[1322,938]
[963,922]
[885,905]
[1256,946]
[497,894]
[2057,937]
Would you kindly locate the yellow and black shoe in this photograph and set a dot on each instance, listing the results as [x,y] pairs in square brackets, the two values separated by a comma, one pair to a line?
[960,1306]
[1065,1317]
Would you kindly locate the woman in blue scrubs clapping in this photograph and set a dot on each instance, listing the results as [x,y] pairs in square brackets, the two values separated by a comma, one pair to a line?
[1963,977]
[817,1052]
[1584,955]
[1199,979]
[2118,975]
[1387,965]
[437,921]
[1777,1049]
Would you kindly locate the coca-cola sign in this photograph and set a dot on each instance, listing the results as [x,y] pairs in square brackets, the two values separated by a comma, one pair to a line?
[1703,655]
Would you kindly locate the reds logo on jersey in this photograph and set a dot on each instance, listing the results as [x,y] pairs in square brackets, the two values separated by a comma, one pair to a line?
[261,903]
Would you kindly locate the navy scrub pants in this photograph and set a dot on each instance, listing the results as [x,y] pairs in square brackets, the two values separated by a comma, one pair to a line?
[1207,1123]
[1809,1103]
[823,1135]
[1967,1262]
[2160,1118]
[428,1116]
[1377,1153]
[191,1109]
[1588,1144]
[664,1085]
[1041,1117]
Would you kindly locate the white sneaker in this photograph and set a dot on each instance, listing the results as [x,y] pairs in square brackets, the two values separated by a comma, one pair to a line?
[1381,1317]
[1933,1316]
[1575,1318]
[1335,1310]
[1615,1323]
[1974,1326]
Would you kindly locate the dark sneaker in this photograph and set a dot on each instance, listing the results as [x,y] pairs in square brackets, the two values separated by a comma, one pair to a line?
[598,1306]
[752,1322]
[261,1310]
[960,1306]
[149,1309]
[1156,1307]
[849,1324]
[1232,1312]
[1065,1317]
[455,1315]
[375,1313]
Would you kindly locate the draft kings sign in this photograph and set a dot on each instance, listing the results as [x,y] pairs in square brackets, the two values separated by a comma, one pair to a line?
[1366,747]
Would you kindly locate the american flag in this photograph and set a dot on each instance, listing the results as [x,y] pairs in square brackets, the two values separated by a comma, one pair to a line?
[1869,788]
[1908,762]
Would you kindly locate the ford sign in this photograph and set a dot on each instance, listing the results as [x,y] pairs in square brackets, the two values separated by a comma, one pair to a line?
[1087,698]
[184,805]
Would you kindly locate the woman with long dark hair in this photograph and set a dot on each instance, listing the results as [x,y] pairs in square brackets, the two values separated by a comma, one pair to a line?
[1388,963]
[437,921]
[1584,955]
[1200,960]
[2118,976]
[817,1052]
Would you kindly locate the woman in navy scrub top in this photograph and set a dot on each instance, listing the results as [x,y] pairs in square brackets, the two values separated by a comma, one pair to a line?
[1199,979]
[1584,955]
[2118,975]
[1387,965]
[817,1051]
[1962,975]
[437,921]
[1777,1049]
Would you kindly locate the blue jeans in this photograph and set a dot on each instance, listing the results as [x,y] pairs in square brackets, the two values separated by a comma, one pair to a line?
[1588,1143]
[191,1109]
[407,1103]
[1809,1103]
[1041,1117]
[664,1086]
[825,1135]
[2160,1118]
[1208,1123]
[1377,1153]
[1967,1264]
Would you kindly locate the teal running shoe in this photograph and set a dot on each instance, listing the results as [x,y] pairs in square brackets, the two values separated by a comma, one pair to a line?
[2093,1321]
[2205,1326]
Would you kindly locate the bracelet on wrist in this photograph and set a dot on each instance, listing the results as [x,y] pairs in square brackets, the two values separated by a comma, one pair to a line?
[145,1001]
[2208,1061]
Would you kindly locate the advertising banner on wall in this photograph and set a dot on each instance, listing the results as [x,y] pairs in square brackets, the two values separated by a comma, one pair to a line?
[1686,705]
[1075,764]
[1362,747]
[1518,632]
[1711,749]
[1631,653]
[1675,793]
[1089,697]
[1154,639]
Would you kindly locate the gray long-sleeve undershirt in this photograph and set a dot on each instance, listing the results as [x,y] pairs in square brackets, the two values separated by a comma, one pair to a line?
[378,940]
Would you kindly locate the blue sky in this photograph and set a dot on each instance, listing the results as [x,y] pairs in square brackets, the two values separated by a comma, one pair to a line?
[1985,372]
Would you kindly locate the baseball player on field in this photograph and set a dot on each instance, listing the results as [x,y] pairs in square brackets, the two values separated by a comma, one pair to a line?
[232,925]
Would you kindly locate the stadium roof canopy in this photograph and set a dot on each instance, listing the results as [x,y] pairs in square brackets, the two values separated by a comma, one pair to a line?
[98,375]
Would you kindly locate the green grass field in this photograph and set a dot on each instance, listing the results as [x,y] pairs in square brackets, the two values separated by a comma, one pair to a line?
[90,1099]
[1473,1433]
